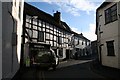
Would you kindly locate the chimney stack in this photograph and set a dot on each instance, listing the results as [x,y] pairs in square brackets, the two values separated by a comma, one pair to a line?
[81,34]
[57,17]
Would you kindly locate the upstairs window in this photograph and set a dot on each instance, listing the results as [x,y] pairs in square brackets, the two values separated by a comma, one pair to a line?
[111,14]
[40,36]
[110,48]
[59,40]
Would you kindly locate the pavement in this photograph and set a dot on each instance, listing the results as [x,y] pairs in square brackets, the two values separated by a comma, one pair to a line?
[26,73]
[108,72]
[32,73]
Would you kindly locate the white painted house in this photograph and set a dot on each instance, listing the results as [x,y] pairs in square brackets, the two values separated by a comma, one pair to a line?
[108,33]
[81,45]
[11,17]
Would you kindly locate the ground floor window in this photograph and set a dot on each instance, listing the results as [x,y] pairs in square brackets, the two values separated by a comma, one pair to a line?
[110,48]
[60,53]
[40,36]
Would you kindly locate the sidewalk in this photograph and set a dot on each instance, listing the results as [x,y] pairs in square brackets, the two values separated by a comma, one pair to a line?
[108,72]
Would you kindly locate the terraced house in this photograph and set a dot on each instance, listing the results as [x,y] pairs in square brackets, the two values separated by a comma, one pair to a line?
[108,33]
[41,27]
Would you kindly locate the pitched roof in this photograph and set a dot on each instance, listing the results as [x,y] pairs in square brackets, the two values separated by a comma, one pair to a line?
[33,11]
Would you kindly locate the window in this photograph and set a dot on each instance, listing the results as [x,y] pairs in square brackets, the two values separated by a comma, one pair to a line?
[43,24]
[28,19]
[111,14]
[40,23]
[60,53]
[34,21]
[47,36]
[35,27]
[110,48]
[40,36]
[59,40]
[47,25]
[82,42]
[35,33]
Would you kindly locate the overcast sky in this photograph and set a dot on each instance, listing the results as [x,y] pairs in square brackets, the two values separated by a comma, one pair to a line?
[78,14]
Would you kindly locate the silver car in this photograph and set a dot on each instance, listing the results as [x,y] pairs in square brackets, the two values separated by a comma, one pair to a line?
[46,59]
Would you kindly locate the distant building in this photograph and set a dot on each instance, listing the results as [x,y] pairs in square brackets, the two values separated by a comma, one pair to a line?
[94,48]
[108,31]
[81,45]
[11,16]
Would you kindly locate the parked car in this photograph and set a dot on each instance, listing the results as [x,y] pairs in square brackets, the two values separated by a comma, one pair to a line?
[46,59]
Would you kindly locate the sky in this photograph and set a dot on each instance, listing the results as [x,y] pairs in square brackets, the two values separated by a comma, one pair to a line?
[80,15]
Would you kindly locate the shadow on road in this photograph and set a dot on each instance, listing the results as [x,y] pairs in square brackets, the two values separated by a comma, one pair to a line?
[80,71]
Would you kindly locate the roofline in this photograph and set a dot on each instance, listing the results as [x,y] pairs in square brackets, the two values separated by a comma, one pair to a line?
[101,6]
[48,15]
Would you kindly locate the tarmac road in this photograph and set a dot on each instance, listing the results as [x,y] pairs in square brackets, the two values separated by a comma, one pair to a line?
[72,69]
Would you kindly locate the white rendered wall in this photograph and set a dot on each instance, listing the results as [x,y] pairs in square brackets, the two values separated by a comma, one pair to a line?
[110,32]
[0,40]
[119,35]
[11,56]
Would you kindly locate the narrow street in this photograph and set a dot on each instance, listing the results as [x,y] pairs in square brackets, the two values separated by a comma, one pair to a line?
[71,69]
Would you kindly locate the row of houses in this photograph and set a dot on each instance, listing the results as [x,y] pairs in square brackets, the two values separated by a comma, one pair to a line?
[40,27]
[23,23]
[108,33]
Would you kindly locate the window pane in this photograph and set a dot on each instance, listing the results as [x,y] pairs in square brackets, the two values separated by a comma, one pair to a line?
[41,36]
[43,29]
[51,42]
[54,43]
[28,25]
[51,27]
[39,28]
[51,37]
[47,30]
[55,38]
[47,36]
[43,24]
[28,18]
[111,14]
[107,16]
[47,42]
[40,23]
[30,32]
[35,21]
[35,33]
[34,27]
[110,48]
[51,31]
[113,8]
[47,25]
